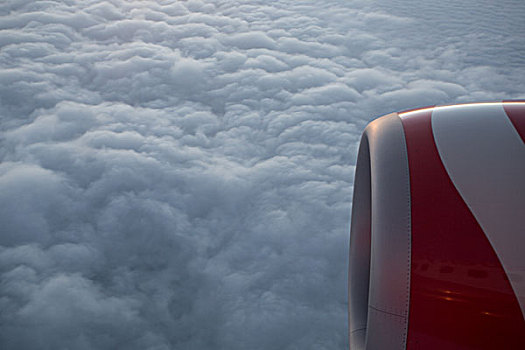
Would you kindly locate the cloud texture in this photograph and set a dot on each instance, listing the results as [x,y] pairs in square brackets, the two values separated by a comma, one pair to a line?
[178,174]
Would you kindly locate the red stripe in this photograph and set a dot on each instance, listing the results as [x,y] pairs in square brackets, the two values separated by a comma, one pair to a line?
[516,114]
[460,297]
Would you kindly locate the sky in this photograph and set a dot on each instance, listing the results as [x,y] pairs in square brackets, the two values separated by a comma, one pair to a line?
[178,174]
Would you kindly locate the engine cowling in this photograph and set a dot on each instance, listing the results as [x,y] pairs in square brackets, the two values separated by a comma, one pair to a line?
[437,243]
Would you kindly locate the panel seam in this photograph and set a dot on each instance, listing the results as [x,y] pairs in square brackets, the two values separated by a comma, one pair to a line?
[385,312]
[409,238]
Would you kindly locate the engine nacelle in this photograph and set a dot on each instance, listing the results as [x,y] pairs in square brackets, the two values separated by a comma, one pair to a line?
[437,244]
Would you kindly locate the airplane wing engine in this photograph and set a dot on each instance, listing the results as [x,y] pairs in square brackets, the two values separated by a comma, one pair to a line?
[437,243]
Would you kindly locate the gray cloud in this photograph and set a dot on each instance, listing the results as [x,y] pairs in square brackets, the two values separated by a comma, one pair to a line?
[178,174]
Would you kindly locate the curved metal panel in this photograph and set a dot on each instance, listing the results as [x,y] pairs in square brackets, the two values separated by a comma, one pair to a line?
[485,159]
[379,273]
[516,113]
[460,297]
[388,302]
[359,262]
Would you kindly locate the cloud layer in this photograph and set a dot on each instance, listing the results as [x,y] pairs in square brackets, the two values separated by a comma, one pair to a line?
[178,174]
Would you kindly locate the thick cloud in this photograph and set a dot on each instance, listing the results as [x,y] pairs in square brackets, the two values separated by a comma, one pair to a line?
[178,174]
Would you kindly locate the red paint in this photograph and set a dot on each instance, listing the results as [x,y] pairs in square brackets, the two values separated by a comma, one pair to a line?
[460,297]
[516,114]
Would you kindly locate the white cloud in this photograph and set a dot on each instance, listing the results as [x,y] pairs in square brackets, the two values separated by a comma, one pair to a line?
[178,174]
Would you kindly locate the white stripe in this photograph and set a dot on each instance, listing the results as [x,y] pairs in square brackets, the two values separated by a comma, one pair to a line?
[485,159]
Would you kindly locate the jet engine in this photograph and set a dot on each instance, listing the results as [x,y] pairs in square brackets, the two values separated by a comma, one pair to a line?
[437,241]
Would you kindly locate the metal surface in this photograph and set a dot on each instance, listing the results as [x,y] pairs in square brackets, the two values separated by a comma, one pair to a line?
[485,158]
[359,268]
[381,197]
[390,259]
[438,230]
[460,297]
[516,113]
